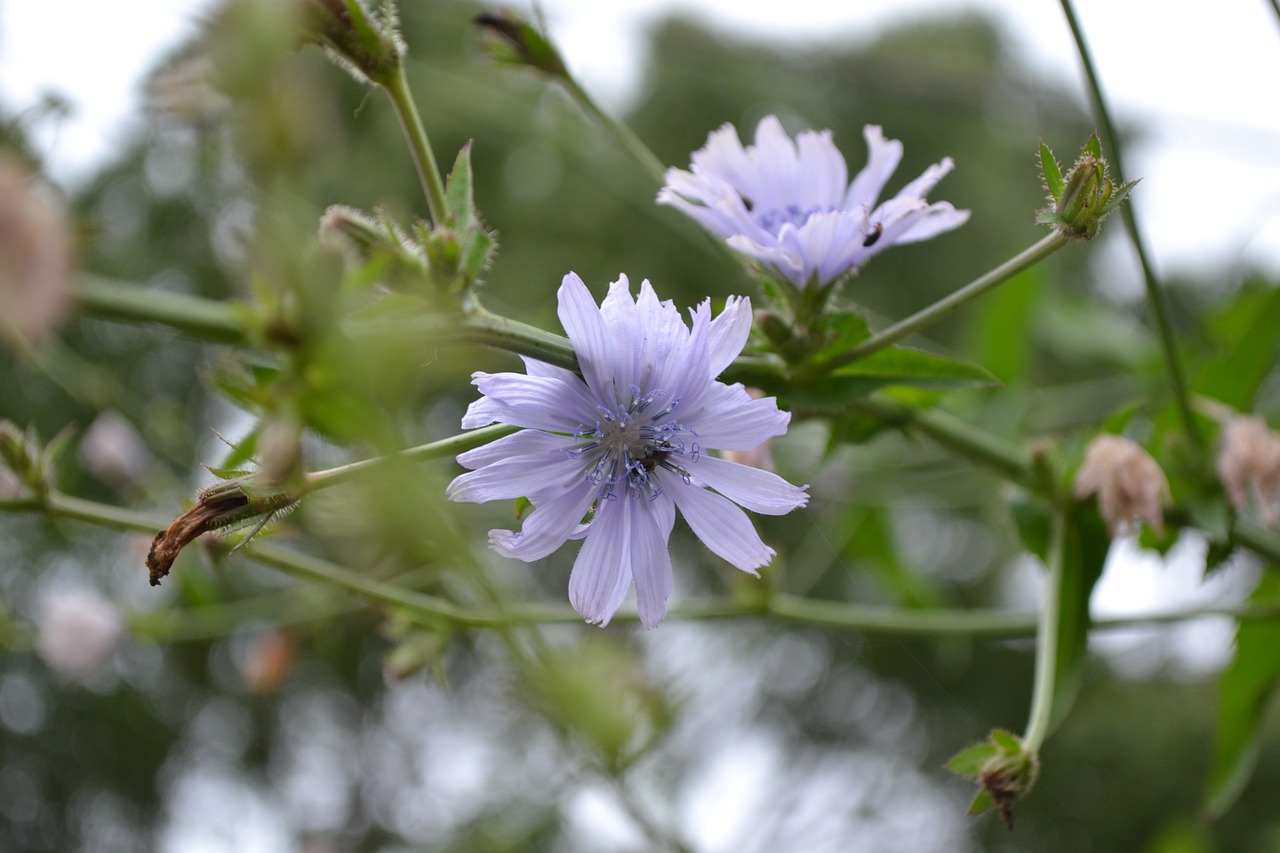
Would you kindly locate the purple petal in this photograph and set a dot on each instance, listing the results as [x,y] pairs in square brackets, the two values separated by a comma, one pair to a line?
[754,488]
[547,527]
[729,333]
[602,571]
[937,219]
[533,402]
[586,329]
[883,157]
[517,444]
[651,523]
[722,527]
[527,474]
[729,419]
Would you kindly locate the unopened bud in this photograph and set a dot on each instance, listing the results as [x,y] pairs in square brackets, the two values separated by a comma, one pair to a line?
[368,46]
[1129,484]
[1080,200]
[511,39]
[1005,769]
[1249,465]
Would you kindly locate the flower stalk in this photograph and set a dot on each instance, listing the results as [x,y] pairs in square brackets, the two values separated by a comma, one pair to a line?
[925,317]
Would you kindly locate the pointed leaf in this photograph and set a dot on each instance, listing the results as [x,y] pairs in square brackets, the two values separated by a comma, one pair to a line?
[969,762]
[1093,146]
[1007,741]
[983,802]
[1052,174]
[459,197]
[1245,346]
[1247,688]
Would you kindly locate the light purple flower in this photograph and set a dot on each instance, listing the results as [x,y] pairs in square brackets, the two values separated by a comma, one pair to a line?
[789,204]
[610,455]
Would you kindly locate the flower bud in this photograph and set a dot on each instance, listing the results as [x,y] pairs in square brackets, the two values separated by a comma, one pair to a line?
[1249,465]
[369,47]
[511,39]
[1081,199]
[1004,768]
[35,258]
[1129,484]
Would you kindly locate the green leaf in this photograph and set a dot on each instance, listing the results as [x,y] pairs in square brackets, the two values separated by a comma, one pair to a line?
[983,802]
[843,331]
[459,197]
[1247,687]
[1007,741]
[969,762]
[1052,174]
[1245,343]
[890,367]
[1093,147]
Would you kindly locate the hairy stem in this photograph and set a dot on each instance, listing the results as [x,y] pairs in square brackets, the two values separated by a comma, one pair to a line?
[397,88]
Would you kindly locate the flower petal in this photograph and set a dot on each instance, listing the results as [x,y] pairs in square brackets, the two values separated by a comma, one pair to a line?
[589,335]
[722,527]
[533,402]
[754,488]
[729,332]
[883,157]
[730,419]
[547,527]
[517,476]
[602,572]
[651,523]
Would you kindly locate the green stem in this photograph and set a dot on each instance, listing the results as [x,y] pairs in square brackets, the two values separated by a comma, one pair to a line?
[1155,292]
[991,624]
[631,143]
[434,450]
[206,319]
[397,88]
[935,312]
[1047,640]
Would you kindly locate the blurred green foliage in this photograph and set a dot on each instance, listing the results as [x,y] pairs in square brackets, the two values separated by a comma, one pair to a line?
[220,195]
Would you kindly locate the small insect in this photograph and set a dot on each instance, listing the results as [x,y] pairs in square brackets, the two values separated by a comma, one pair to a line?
[652,459]
[871,239]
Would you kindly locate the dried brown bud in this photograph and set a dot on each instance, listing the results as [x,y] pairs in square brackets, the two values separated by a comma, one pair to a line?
[35,257]
[1249,465]
[1129,484]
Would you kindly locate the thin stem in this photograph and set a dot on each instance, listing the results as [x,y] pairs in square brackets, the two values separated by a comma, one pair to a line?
[631,143]
[1275,7]
[206,319]
[397,88]
[1023,260]
[873,619]
[1155,292]
[1047,640]
[434,450]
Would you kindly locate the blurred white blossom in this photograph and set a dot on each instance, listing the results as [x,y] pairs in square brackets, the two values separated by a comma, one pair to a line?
[77,631]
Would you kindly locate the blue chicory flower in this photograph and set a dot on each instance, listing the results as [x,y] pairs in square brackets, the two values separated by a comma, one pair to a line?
[625,444]
[790,206]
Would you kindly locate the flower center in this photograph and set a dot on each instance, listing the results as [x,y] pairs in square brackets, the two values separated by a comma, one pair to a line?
[631,442]
[793,214]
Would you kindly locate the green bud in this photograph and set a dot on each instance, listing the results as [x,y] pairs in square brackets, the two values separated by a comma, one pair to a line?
[1004,769]
[1082,198]
[367,45]
[510,39]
